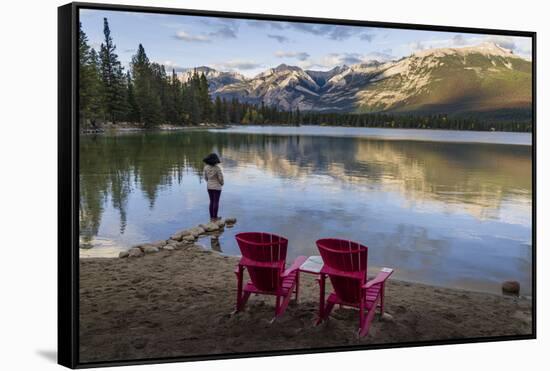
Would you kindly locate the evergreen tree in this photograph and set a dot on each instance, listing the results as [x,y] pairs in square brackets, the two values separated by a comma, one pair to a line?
[218,110]
[147,99]
[174,104]
[112,77]
[90,109]
[225,112]
[204,99]
[159,84]
[133,108]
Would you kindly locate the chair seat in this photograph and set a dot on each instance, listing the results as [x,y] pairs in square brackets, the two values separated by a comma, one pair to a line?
[371,296]
[286,287]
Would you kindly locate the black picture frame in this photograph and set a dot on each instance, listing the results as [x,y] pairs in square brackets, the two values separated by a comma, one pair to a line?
[68,187]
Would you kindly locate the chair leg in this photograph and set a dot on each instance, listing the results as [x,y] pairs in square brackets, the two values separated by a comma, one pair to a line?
[297,290]
[328,309]
[364,329]
[361,314]
[282,307]
[277,305]
[383,289]
[239,274]
[245,298]
[321,281]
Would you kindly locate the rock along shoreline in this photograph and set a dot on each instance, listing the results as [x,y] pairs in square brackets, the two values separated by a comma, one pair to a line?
[178,240]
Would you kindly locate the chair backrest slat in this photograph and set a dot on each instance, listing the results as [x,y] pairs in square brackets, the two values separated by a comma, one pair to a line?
[263,247]
[347,256]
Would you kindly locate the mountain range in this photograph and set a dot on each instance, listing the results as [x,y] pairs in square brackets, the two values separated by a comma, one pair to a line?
[485,80]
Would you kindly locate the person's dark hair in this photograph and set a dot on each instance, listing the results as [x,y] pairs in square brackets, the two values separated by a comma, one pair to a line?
[212,159]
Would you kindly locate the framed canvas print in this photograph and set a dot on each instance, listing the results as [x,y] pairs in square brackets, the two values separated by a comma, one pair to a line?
[237,185]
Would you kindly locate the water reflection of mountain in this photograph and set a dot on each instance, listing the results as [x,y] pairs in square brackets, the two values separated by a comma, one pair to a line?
[477,176]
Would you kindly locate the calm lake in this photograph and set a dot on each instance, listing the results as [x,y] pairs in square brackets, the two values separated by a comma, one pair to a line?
[441,207]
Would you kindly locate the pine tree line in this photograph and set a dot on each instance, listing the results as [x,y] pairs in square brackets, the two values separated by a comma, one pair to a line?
[147,95]
[144,95]
[413,121]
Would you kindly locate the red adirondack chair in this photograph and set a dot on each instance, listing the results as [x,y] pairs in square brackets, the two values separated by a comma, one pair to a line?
[263,256]
[345,263]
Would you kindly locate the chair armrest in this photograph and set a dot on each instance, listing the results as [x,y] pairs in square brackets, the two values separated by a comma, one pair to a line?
[295,265]
[381,277]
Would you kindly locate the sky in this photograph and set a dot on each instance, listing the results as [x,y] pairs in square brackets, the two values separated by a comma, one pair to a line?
[252,46]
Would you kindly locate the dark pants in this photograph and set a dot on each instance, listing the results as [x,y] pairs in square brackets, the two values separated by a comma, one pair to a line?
[214,202]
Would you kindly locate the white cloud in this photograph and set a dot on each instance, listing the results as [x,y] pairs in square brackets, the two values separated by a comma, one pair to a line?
[333,32]
[332,60]
[96,46]
[184,36]
[225,28]
[459,40]
[367,36]
[237,65]
[302,56]
[276,25]
[417,45]
[225,32]
[279,38]
[171,65]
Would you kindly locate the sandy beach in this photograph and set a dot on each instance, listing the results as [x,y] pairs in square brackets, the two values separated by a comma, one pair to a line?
[180,303]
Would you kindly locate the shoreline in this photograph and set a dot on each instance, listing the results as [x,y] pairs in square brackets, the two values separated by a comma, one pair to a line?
[136,128]
[115,256]
[180,303]
[214,230]
[125,128]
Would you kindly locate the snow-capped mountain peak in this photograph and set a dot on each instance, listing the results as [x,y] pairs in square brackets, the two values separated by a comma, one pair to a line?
[415,82]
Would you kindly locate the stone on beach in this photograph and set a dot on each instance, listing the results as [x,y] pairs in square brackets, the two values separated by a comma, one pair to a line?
[194,232]
[158,244]
[179,235]
[149,249]
[188,239]
[197,231]
[510,287]
[135,252]
[180,245]
[230,220]
[210,227]
[178,240]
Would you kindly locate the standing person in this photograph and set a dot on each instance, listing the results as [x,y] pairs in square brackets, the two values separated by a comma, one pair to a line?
[214,182]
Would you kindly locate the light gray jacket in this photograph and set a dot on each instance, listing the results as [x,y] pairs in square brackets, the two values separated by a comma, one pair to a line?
[214,177]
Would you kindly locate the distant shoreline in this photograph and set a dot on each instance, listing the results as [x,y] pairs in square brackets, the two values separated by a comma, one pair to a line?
[139,128]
